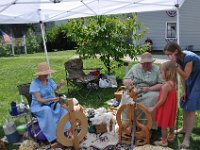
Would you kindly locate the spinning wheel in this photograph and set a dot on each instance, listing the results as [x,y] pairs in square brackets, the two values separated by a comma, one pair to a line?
[138,114]
[79,126]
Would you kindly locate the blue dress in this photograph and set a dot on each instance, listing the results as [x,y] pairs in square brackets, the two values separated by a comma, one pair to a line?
[48,114]
[192,102]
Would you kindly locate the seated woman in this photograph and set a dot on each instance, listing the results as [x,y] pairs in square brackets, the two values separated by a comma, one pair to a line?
[46,111]
[145,75]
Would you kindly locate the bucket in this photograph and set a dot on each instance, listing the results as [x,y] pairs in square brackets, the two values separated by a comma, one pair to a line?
[11,132]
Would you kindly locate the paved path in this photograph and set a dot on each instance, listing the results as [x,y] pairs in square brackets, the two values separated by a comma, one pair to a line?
[159,58]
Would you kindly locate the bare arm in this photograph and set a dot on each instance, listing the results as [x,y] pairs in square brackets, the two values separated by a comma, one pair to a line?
[42,100]
[186,72]
[165,89]
[156,87]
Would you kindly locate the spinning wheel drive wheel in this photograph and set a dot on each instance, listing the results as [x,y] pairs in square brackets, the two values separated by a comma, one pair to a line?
[143,119]
[142,116]
[79,127]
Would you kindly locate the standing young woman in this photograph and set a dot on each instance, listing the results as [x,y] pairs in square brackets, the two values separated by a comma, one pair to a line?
[188,67]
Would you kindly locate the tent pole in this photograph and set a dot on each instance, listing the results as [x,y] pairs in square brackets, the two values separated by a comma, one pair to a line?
[24,44]
[44,42]
[177,23]
[178,42]
[13,46]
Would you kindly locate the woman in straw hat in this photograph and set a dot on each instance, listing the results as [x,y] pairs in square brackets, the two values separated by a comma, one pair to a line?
[145,75]
[47,112]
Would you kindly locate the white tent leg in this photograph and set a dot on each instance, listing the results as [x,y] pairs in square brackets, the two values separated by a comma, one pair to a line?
[13,46]
[177,24]
[178,41]
[44,42]
[24,44]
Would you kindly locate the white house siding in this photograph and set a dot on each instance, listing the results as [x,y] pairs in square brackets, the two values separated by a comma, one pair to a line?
[189,25]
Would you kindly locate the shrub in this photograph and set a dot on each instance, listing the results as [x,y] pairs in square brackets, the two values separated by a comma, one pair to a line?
[57,39]
[31,42]
[5,50]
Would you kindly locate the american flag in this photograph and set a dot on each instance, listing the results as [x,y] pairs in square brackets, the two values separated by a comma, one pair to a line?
[6,37]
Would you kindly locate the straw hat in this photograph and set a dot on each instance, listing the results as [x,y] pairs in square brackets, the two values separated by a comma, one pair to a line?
[43,69]
[146,57]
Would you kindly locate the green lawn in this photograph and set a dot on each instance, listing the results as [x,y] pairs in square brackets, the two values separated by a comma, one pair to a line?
[20,69]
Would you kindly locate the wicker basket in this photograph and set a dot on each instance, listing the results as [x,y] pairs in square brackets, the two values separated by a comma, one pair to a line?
[118,93]
[101,128]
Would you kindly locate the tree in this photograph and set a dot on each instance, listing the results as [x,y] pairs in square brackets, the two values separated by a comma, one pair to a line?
[107,37]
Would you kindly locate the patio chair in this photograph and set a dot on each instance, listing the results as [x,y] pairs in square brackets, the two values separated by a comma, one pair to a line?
[76,77]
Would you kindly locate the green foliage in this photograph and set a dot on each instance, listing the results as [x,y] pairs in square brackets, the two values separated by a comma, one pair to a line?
[5,50]
[31,41]
[107,37]
[56,39]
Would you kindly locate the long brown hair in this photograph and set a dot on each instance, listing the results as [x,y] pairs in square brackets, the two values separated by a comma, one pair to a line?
[170,71]
[172,47]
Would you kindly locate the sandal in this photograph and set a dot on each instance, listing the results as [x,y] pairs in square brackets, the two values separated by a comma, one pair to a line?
[179,131]
[185,145]
[162,142]
[170,137]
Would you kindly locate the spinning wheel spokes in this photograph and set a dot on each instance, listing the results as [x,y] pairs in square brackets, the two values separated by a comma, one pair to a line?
[67,140]
[79,126]
[143,121]
[143,116]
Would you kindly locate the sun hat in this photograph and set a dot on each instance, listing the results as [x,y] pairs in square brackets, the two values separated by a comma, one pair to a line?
[43,69]
[146,57]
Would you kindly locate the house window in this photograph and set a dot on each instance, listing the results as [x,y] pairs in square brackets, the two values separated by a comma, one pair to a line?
[170,30]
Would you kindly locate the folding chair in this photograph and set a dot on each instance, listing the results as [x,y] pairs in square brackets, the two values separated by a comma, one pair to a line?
[76,77]
[24,91]
[33,127]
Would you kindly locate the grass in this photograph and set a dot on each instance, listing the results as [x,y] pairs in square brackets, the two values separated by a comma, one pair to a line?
[20,69]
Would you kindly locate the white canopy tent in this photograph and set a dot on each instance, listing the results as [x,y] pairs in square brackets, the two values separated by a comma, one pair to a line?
[39,11]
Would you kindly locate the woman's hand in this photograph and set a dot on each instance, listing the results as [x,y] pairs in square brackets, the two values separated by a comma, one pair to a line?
[150,109]
[62,82]
[128,82]
[183,98]
[146,89]
[55,99]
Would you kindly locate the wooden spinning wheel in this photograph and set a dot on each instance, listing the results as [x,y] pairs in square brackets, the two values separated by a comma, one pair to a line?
[79,126]
[138,114]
